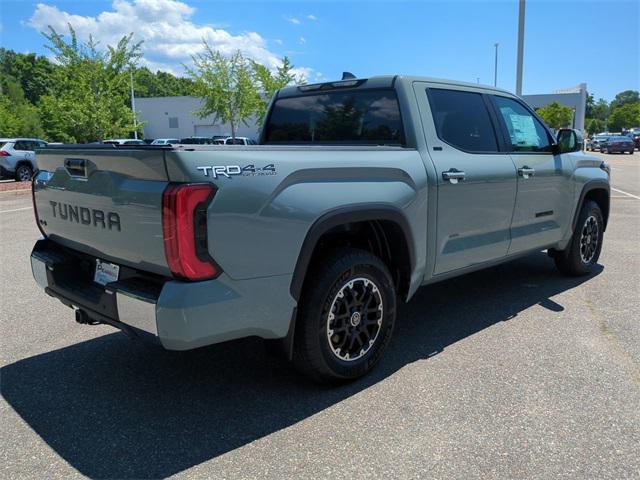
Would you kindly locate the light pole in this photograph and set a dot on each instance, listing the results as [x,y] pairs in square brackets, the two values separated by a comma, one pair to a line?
[520,47]
[133,105]
[495,67]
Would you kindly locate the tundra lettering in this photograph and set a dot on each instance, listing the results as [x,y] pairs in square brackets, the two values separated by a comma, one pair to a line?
[85,216]
[383,185]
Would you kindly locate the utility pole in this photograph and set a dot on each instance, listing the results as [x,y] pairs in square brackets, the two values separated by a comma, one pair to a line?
[520,47]
[133,105]
[495,67]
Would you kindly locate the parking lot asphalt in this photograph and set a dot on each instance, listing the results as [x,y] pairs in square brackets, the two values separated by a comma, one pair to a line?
[512,372]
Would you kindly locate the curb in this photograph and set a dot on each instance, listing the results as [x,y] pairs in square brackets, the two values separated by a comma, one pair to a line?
[23,191]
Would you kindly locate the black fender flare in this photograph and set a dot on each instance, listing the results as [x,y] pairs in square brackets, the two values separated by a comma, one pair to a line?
[342,216]
[595,184]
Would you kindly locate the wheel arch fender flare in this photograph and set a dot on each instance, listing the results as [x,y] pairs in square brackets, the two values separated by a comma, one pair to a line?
[341,216]
[591,185]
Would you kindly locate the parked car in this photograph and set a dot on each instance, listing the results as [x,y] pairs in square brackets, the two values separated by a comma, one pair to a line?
[634,134]
[313,247]
[18,157]
[617,144]
[239,141]
[124,141]
[197,141]
[219,139]
[165,141]
[594,142]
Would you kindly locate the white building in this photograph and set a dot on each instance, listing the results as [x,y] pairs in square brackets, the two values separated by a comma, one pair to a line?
[575,98]
[174,117]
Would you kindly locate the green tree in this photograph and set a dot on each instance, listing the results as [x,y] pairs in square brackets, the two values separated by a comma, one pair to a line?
[269,83]
[226,86]
[18,117]
[160,84]
[624,98]
[594,125]
[624,117]
[89,98]
[599,110]
[33,73]
[556,115]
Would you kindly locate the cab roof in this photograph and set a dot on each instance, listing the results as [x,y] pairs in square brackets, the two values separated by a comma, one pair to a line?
[381,81]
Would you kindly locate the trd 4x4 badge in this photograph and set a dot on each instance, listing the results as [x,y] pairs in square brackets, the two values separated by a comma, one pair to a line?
[232,170]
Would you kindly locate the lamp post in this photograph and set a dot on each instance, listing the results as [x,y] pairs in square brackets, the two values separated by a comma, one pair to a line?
[133,105]
[495,67]
[520,47]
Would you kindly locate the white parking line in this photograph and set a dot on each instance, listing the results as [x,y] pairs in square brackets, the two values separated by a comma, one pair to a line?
[625,193]
[16,210]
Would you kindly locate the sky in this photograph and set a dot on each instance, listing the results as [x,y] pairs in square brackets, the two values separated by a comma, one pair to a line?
[566,42]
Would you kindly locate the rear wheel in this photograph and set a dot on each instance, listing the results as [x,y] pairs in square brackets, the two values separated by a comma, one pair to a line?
[346,317]
[583,250]
[23,173]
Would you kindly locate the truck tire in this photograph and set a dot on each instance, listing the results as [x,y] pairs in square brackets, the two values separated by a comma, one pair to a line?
[346,316]
[23,173]
[583,250]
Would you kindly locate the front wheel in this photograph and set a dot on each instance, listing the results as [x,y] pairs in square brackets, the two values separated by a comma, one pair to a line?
[583,250]
[346,317]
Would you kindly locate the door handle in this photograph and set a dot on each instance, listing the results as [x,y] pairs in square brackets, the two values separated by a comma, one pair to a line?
[77,167]
[526,172]
[453,175]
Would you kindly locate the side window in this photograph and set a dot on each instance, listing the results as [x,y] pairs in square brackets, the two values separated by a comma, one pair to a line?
[525,131]
[462,120]
[21,145]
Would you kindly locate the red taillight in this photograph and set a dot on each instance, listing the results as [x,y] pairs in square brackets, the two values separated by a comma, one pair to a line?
[4,154]
[184,225]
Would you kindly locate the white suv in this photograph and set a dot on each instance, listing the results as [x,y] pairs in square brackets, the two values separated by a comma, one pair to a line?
[239,141]
[18,157]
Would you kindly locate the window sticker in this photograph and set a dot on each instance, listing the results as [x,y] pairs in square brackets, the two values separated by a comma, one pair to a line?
[524,130]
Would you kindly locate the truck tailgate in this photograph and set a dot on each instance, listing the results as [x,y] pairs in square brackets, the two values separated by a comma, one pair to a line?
[106,203]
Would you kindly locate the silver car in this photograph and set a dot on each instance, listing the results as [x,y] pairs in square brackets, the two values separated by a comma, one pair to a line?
[18,157]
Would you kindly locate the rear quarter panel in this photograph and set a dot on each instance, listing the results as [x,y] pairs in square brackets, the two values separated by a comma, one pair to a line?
[258,221]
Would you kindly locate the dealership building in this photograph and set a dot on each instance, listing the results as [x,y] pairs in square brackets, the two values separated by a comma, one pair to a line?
[574,98]
[174,117]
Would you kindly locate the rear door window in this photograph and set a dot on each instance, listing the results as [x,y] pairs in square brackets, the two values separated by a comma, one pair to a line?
[462,120]
[366,117]
[22,145]
[525,131]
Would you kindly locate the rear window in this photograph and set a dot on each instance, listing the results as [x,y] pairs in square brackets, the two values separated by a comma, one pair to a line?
[462,120]
[368,117]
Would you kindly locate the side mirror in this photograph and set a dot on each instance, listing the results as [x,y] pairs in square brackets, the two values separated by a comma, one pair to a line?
[570,140]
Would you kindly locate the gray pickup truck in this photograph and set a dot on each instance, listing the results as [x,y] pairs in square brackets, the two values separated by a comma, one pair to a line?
[360,192]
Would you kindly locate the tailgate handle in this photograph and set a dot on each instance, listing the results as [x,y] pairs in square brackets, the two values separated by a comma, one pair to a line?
[77,167]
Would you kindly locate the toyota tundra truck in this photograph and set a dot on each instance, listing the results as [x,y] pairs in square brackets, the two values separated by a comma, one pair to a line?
[359,192]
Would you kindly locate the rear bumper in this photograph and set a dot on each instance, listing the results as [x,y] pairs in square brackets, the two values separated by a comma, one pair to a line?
[619,148]
[178,315]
